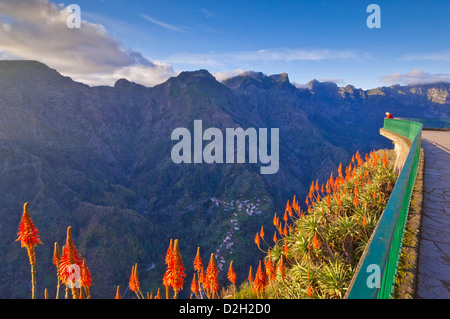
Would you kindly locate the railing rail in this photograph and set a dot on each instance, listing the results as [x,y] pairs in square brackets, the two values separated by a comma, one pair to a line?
[377,270]
[429,123]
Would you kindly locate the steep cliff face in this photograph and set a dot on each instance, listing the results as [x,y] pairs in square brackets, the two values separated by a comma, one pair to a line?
[98,159]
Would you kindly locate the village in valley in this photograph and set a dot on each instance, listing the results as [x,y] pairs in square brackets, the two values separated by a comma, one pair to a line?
[236,210]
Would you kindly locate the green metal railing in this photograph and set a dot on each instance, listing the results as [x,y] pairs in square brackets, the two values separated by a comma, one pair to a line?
[429,123]
[375,278]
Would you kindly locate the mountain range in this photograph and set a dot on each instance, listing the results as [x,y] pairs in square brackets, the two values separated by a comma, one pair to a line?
[98,159]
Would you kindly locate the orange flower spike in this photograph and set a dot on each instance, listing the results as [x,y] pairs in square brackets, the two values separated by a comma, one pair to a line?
[270,269]
[374,194]
[194,285]
[258,283]
[261,233]
[285,249]
[85,278]
[169,260]
[231,274]
[328,200]
[158,295]
[70,256]
[178,274]
[250,276]
[257,240]
[285,217]
[321,189]
[280,230]
[340,170]
[384,160]
[136,276]
[311,191]
[28,235]
[56,256]
[275,220]
[317,185]
[211,275]
[57,263]
[198,263]
[364,221]
[133,284]
[118,295]
[315,242]
[169,253]
[274,237]
[285,231]
[309,291]
[355,200]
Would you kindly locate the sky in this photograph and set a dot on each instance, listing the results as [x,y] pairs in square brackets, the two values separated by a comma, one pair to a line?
[149,41]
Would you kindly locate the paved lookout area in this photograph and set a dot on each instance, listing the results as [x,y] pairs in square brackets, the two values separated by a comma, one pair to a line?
[434,255]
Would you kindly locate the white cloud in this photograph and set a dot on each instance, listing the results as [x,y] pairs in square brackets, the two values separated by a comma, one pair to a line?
[431,56]
[161,24]
[37,30]
[266,55]
[208,13]
[222,75]
[416,76]
[339,81]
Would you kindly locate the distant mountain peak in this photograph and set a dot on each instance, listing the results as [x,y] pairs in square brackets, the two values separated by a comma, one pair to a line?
[122,82]
[258,79]
[195,75]
[315,85]
[280,78]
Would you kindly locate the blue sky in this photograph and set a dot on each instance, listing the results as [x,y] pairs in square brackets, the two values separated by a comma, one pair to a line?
[325,40]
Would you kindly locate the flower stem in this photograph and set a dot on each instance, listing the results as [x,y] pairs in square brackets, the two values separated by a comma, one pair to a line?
[33,282]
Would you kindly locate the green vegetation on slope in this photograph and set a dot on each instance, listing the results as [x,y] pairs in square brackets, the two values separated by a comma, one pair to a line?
[317,251]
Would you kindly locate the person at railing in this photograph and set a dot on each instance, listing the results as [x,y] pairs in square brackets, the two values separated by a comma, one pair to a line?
[389,115]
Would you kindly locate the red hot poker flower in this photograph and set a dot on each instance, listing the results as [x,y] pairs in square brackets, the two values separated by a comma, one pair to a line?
[70,256]
[250,276]
[170,264]
[211,276]
[178,274]
[231,274]
[134,281]
[28,234]
[85,278]
[198,263]
[194,285]
[315,242]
